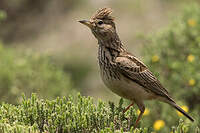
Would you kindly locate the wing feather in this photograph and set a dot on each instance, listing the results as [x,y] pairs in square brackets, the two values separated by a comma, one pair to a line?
[134,69]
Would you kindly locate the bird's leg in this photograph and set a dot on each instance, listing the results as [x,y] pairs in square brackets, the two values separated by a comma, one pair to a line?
[138,119]
[128,107]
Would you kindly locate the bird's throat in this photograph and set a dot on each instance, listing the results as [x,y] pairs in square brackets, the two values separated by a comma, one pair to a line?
[113,43]
[109,50]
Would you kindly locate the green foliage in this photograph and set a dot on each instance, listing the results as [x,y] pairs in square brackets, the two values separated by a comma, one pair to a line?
[173,55]
[178,50]
[79,69]
[77,114]
[27,73]
[6,128]
[72,114]
[3,15]
[183,128]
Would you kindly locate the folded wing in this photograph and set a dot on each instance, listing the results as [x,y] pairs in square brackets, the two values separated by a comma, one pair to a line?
[133,69]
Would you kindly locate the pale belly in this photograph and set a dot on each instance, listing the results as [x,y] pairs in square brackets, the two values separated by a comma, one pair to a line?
[128,89]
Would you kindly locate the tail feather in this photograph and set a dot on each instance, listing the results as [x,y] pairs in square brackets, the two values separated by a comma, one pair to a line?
[181,110]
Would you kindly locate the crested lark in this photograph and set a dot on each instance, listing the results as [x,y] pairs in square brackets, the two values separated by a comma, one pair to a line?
[121,71]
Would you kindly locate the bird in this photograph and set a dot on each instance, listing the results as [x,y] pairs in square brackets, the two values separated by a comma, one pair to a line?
[122,72]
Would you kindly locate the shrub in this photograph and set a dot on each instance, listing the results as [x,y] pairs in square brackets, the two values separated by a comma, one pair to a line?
[174,53]
[27,73]
[78,68]
[72,114]
[3,15]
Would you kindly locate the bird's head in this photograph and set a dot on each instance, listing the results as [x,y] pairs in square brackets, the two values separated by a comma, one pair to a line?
[102,24]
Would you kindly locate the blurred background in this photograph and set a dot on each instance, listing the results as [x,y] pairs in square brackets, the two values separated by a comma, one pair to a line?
[44,49]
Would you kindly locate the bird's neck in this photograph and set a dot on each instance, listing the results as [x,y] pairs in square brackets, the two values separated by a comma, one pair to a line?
[113,43]
[108,50]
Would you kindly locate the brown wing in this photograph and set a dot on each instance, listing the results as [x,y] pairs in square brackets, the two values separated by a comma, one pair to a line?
[134,69]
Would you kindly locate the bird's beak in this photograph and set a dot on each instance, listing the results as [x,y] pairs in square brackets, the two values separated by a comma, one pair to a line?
[86,22]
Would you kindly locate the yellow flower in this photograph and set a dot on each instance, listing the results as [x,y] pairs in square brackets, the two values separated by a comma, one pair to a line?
[185,108]
[158,124]
[155,58]
[191,22]
[191,82]
[190,58]
[146,112]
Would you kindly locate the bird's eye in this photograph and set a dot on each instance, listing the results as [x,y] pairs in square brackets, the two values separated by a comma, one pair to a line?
[100,22]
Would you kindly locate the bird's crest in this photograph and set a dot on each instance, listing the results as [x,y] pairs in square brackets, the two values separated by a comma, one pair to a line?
[103,13]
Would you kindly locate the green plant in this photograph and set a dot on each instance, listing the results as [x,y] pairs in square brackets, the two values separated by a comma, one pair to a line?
[78,114]
[29,72]
[173,54]
[3,15]
[72,114]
